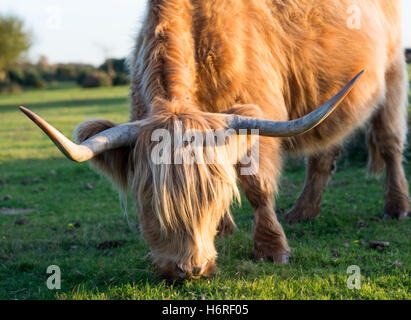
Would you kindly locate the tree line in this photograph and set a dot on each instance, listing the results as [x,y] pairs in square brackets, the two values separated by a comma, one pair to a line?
[16,73]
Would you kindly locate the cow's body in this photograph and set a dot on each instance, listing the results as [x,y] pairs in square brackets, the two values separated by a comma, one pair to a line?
[195,60]
[288,57]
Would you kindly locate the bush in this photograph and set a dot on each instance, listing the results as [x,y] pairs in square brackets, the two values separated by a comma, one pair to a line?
[83,75]
[15,88]
[66,73]
[47,75]
[97,79]
[9,87]
[16,76]
[4,86]
[121,79]
[32,78]
[114,65]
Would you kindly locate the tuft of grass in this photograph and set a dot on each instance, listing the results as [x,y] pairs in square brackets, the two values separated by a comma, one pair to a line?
[70,221]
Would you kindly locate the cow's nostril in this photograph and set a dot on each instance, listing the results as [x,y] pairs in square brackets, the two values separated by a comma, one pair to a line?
[181,272]
[184,271]
[196,271]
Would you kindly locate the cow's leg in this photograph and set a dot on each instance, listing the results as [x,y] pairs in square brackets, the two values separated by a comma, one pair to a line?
[270,242]
[386,138]
[319,170]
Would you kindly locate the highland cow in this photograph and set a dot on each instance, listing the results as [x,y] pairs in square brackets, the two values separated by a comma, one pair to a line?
[238,64]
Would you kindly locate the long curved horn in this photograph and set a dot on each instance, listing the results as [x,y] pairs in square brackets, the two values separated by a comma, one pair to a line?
[112,138]
[294,127]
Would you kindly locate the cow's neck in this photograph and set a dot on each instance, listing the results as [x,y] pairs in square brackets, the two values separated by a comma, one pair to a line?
[168,52]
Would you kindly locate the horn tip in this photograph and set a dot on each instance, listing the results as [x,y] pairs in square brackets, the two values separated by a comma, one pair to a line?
[30,114]
[351,83]
[24,110]
[361,73]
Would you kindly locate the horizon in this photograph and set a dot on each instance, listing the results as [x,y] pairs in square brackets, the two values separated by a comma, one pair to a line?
[64,34]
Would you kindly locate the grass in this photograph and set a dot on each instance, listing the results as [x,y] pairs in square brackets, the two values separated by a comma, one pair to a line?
[37,176]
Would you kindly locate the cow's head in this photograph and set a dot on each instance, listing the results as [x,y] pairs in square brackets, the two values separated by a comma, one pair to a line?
[182,181]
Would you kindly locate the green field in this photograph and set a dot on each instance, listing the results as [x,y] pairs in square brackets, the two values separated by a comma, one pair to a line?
[68,222]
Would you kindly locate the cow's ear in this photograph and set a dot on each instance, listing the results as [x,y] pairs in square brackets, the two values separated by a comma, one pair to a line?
[113,163]
[246,110]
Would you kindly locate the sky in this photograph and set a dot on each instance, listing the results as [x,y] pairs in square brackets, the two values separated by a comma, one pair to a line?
[90,31]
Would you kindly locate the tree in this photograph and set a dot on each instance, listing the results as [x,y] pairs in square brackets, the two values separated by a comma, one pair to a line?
[14,42]
[113,66]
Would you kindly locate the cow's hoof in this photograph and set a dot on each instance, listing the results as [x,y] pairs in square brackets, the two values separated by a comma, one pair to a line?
[280,258]
[283,258]
[301,215]
[399,216]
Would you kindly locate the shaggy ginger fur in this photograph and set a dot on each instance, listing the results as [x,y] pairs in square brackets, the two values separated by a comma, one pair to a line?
[288,57]
[181,205]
